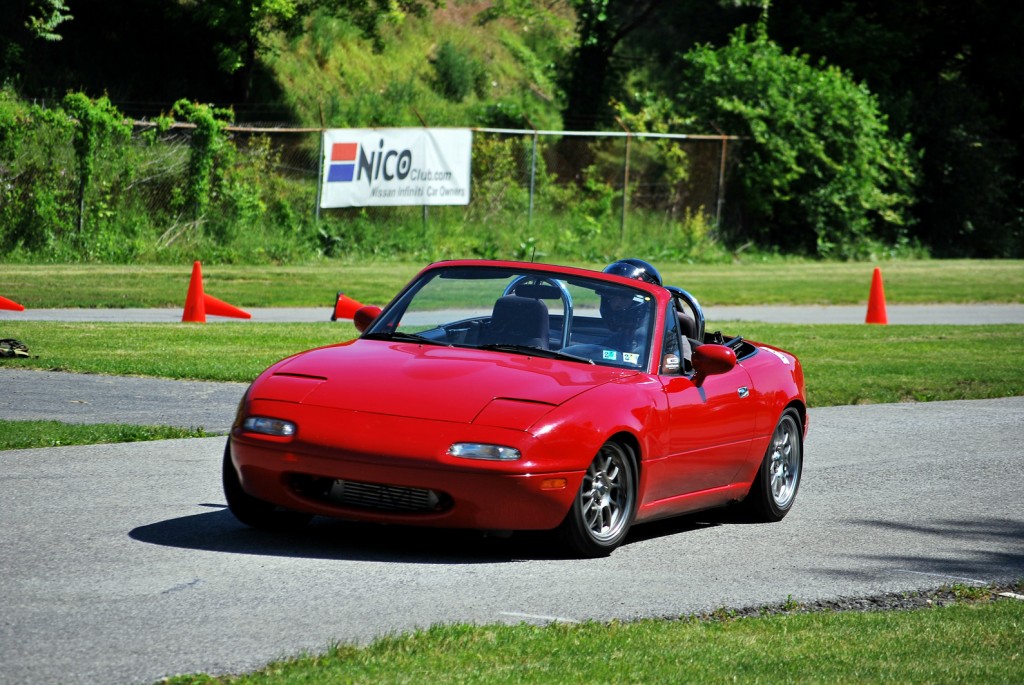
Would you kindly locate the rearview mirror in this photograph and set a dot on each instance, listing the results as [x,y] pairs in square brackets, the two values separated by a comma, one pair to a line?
[364,316]
[711,360]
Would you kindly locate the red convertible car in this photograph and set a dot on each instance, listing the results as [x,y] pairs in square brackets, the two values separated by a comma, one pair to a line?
[507,396]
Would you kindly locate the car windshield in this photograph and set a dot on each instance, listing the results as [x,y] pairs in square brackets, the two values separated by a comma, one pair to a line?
[584,320]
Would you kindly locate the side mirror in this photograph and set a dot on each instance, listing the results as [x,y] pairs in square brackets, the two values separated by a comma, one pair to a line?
[711,360]
[364,316]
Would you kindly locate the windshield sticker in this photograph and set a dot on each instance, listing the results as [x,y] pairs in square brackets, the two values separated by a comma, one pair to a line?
[631,358]
[610,355]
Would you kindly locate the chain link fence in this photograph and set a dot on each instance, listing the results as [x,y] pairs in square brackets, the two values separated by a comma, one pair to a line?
[533,193]
[667,174]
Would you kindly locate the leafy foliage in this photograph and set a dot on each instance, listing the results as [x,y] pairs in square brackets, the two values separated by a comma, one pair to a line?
[951,72]
[96,123]
[51,15]
[34,200]
[457,73]
[210,151]
[821,173]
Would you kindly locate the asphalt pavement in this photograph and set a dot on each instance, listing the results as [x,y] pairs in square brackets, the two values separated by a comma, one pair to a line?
[119,563]
[30,395]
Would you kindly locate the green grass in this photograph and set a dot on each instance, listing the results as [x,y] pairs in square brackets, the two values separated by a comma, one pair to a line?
[232,351]
[16,435]
[775,281]
[843,364]
[963,643]
[858,364]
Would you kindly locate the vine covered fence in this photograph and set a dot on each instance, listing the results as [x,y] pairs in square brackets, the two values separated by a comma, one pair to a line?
[166,192]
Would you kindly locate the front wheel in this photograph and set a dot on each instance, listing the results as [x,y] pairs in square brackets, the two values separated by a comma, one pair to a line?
[252,511]
[775,485]
[605,505]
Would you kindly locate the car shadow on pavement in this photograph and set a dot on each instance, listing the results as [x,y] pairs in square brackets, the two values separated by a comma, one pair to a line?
[982,550]
[324,538]
[219,531]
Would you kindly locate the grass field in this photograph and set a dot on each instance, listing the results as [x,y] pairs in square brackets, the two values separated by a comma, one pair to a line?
[843,364]
[16,435]
[963,643]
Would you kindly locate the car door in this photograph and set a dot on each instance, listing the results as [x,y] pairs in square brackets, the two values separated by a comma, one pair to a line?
[708,432]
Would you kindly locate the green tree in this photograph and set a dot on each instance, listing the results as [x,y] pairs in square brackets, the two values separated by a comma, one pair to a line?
[46,16]
[593,76]
[23,23]
[950,72]
[244,27]
[820,171]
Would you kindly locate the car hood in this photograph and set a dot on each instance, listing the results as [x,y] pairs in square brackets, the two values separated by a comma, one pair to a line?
[426,381]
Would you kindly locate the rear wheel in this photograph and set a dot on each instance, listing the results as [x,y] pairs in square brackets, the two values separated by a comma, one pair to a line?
[252,511]
[605,505]
[777,481]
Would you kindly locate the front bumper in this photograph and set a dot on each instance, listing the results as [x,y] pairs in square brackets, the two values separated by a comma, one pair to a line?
[395,470]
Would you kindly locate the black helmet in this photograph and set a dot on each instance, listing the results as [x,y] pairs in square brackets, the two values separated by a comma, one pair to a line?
[634,268]
[623,308]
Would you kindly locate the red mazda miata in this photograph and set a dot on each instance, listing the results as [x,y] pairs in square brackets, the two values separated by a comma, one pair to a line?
[507,396]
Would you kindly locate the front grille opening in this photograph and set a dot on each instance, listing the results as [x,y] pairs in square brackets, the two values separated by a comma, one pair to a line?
[370,496]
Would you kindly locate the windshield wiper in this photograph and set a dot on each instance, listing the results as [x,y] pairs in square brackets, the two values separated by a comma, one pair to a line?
[535,351]
[401,335]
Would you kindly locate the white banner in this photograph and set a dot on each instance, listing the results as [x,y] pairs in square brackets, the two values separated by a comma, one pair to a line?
[396,166]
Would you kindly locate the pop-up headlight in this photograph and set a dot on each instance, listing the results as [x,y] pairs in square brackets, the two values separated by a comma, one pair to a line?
[476,450]
[268,426]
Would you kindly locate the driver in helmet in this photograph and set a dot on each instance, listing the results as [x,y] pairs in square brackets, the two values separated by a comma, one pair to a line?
[625,316]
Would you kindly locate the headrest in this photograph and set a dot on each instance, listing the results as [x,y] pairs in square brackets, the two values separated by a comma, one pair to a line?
[538,291]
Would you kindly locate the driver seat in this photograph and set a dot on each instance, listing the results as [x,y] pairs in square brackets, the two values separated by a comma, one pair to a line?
[517,321]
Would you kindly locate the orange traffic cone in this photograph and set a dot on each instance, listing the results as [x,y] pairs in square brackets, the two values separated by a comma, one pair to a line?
[198,304]
[11,304]
[217,307]
[195,308]
[345,307]
[876,300]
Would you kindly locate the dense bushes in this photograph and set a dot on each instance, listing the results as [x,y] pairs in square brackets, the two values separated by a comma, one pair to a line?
[821,173]
[77,185]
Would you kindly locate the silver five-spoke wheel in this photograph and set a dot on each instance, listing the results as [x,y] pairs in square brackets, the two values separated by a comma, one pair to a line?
[774,488]
[604,507]
[784,462]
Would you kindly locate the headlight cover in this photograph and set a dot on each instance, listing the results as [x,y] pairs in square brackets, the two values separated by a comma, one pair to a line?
[268,426]
[476,450]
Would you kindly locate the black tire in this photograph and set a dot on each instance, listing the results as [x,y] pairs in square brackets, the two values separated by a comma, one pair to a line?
[775,486]
[252,511]
[603,509]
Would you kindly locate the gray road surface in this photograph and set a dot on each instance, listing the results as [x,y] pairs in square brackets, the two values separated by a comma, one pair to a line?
[119,563]
[92,398]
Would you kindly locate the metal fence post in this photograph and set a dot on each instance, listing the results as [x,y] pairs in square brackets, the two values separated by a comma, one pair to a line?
[319,176]
[721,187]
[625,189]
[533,179]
